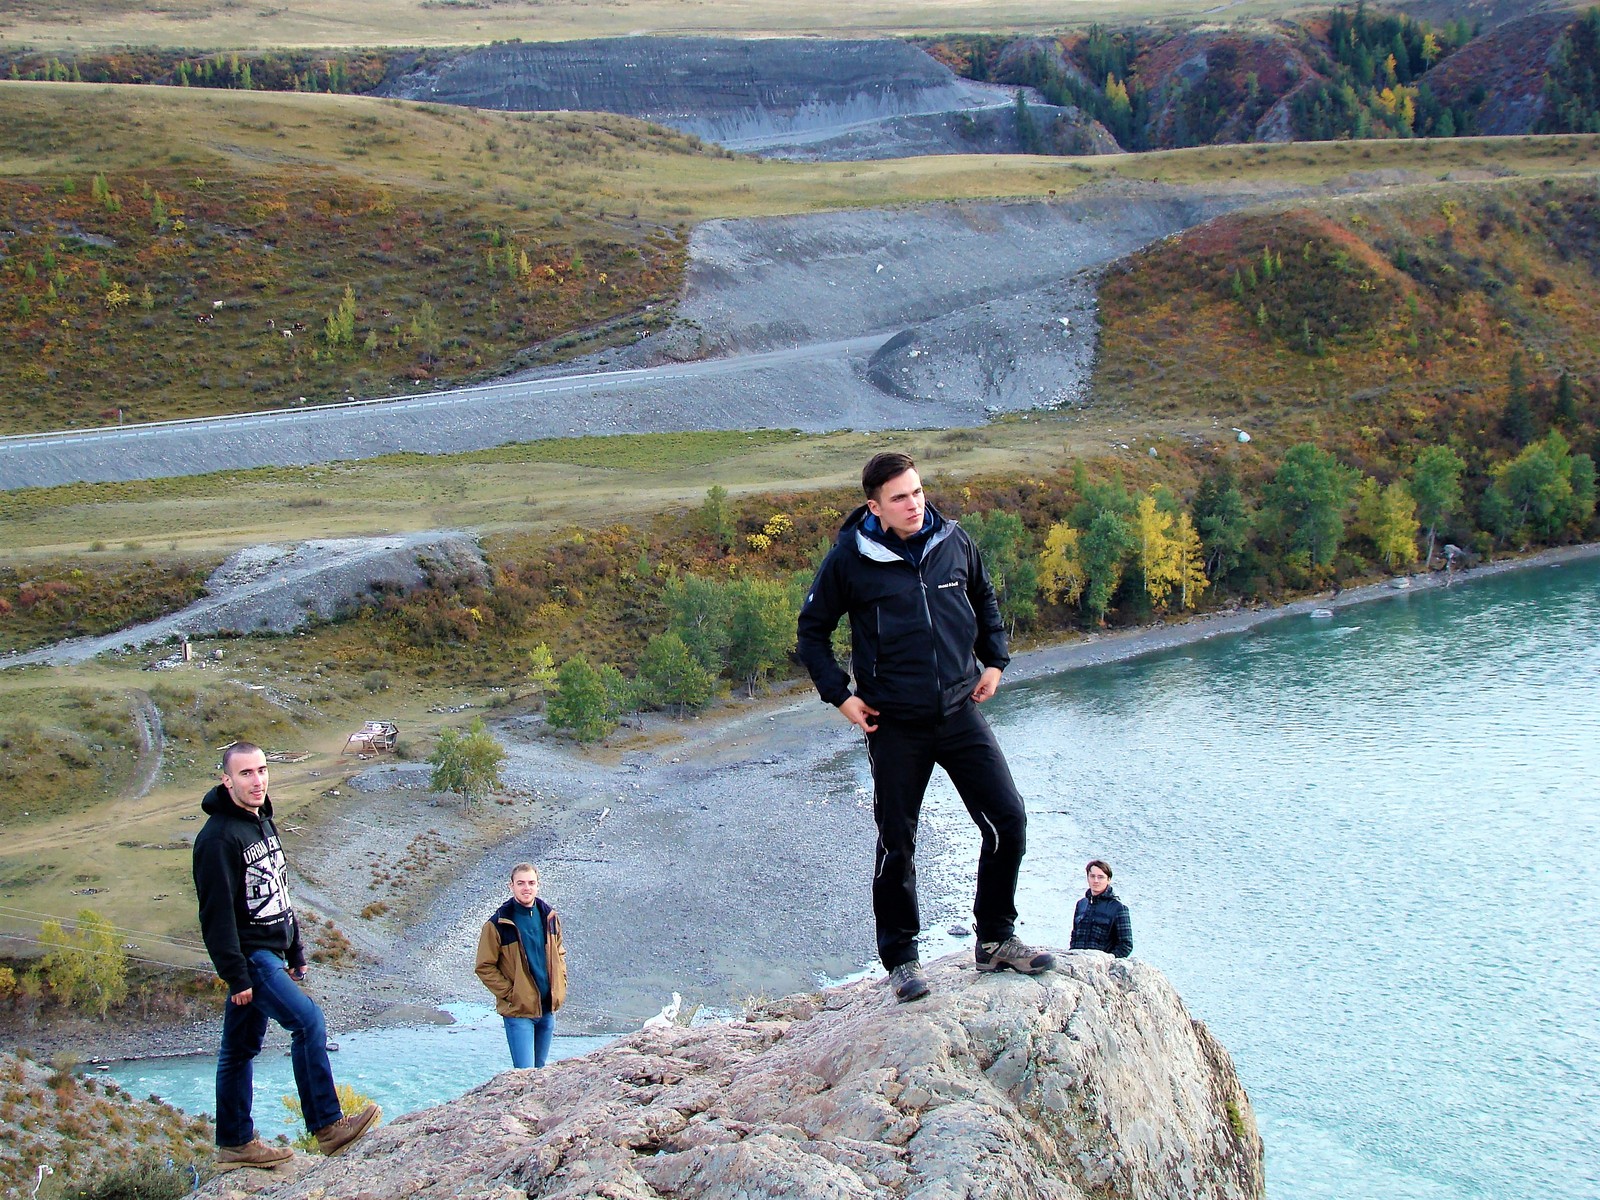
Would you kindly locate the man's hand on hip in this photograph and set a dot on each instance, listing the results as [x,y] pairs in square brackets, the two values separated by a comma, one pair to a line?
[988,684]
[857,712]
[244,997]
[297,973]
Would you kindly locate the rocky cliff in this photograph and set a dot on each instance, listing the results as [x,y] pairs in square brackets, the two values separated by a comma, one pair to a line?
[1091,1081]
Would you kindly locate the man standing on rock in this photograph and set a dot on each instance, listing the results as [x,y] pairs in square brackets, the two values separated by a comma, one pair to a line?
[253,939]
[927,647]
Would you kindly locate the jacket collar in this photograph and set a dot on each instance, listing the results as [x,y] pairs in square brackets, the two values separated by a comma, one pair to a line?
[876,544]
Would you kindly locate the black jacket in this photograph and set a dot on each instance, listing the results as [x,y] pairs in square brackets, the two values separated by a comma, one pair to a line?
[920,624]
[1102,923]
[241,879]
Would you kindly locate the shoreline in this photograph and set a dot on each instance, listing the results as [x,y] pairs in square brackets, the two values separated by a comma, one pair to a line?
[643,846]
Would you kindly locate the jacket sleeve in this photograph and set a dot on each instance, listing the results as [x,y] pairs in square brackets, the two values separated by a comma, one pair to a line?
[825,604]
[488,966]
[296,955]
[992,648]
[1122,943]
[216,882]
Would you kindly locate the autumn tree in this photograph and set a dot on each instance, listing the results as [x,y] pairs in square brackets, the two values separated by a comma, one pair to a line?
[340,327]
[467,764]
[1436,488]
[1154,550]
[1190,557]
[86,967]
[541,669]
[1393,528]
[1061,572]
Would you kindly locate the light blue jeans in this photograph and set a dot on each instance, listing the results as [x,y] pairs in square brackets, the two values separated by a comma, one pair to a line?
[529,1039]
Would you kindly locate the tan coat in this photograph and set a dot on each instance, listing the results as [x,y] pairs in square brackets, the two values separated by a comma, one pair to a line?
[503,966]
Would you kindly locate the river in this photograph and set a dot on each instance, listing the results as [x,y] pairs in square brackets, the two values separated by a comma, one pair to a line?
[1363,849]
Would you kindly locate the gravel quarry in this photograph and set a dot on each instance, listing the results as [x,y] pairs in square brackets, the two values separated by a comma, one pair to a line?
[812,99]
[929,316]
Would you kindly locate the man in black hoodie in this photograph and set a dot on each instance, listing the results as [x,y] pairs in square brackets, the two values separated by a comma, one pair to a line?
[927,647]
[253,939]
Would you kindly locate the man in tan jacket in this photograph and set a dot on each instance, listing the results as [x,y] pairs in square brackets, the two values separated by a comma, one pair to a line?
[522,961]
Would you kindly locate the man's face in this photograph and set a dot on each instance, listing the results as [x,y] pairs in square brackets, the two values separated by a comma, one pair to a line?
[245,777]
[1098,880]
[524,887]
[900,504]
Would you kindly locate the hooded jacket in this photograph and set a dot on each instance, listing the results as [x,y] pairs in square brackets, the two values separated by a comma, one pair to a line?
[1102,923]
[241,879]
[503,967]
[923,617]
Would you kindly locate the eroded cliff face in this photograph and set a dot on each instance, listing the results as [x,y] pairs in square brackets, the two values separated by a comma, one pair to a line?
[1090,1081]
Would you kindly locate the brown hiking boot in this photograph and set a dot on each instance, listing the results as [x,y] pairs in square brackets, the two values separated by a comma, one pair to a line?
[254,1153]
[343,1133]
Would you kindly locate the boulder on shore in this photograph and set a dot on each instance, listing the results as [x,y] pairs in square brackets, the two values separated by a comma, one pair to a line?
[1092,1080]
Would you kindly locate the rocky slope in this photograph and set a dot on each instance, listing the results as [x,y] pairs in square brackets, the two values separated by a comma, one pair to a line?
[1091,1081]
[802,98]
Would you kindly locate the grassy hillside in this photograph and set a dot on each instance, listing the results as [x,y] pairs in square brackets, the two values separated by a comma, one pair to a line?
[55,24]
[287,246]
[1381,321]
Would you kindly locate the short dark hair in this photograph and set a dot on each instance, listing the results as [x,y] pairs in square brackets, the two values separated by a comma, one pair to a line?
[1097,862]
[883,467]
[239,748]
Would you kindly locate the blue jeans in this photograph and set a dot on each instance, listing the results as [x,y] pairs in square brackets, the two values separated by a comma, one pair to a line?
[244,1026]
[529,1039]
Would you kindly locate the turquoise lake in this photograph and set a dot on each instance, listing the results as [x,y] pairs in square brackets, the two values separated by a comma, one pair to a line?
[1365,850]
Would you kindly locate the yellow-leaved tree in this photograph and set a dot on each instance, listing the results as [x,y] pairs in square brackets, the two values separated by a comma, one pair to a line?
[1191,556]
[85,967]
[1061,573]
[1155,548]
[1395,530]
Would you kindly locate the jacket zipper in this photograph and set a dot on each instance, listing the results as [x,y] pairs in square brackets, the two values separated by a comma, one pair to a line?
[933,639]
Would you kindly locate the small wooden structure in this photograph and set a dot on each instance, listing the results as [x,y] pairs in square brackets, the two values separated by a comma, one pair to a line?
[375,737]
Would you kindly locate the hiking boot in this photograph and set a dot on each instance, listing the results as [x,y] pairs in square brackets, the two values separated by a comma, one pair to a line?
[343,1133]
[908,982]
[254,1153]
[1019,956]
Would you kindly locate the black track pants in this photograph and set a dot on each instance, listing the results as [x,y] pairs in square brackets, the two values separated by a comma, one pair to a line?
[903,755]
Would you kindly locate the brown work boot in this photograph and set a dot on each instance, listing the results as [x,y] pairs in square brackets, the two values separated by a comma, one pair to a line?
[254,1153]
[343,1133]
